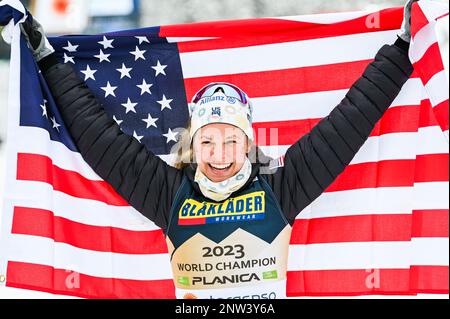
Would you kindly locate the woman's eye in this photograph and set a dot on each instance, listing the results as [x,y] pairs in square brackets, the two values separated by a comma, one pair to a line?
[231,142]
[205,142]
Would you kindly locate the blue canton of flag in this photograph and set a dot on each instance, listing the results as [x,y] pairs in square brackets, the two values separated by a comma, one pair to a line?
[136,77]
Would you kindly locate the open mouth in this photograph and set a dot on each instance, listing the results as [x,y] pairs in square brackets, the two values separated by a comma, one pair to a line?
[220,167]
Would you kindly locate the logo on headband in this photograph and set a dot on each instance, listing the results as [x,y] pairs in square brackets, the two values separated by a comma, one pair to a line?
[215,111]
[231,100]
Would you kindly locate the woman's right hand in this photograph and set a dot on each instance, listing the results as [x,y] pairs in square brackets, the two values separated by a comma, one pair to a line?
[37,41]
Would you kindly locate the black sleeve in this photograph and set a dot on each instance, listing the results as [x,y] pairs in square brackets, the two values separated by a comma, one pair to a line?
[141,178]
[316,159]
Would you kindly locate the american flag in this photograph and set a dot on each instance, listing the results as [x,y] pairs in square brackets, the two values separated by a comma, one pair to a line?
[380,228]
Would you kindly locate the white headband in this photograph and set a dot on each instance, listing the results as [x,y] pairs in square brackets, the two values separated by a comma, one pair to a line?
[220,108]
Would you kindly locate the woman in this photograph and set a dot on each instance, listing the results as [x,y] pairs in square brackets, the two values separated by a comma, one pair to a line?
[226,223]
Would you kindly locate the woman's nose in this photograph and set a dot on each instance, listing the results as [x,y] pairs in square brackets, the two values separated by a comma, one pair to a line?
[217,153]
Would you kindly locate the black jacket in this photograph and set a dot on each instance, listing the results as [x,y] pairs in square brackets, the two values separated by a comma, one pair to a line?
[310,165]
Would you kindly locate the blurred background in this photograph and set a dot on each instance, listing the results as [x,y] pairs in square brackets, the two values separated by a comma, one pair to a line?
[96,16]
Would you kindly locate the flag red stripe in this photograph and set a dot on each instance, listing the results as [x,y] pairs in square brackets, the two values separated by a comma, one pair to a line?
[357,228]
[419,18]
[34,167]
[392,173]
[366,228]
[420,279]
[388,173]
[430,279]
[252,32]
[40,222]
[441,114]
[340,76]
[432,167]
[395,120]
[62,281]
[290,81]
[430,223]
[430,63]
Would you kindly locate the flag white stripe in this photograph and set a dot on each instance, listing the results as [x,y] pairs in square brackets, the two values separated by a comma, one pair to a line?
[431,140]
[376,148]
[430,251]
[45,251]
[381,200]
[433,195]
[423,39]
[85,211]
[355,255]
[362,255]
[428,140]
[187,39]
[304,53]
[435,86]
[319,104]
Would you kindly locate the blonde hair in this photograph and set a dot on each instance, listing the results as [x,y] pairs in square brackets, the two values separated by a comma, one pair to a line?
[183,149]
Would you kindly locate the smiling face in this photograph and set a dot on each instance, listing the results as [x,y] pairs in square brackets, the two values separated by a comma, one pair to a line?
[220,150]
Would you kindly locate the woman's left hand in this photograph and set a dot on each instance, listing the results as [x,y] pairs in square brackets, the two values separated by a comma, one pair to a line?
[405,33]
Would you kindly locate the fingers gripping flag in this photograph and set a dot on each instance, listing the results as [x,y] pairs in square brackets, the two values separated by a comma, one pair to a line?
[380,228]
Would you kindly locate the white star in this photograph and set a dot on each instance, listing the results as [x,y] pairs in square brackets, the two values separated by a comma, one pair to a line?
[138,54]
[150,121]
[44,108]
[88,73]
[145,88]
[124,71]
[109,90]
[68,58]
[129,106]
[165,103]
[171,136]
[70,47]
[102,56]
[139,138]
[55,125]
[142,39]
[159,68]
[117,121]
[106,43]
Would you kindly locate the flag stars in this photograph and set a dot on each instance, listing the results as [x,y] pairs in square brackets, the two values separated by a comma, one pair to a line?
[70,47]
[102,56]
[165,103]
[129,106]
[170,136]
[44,109]
[88,73]
[68,59]
[142,39]
[145,88]
[55,125]
[159,68]
[117,120]
[150,121]
[106,43]
[109,90]
[124,71]
[138,54]
[138,137]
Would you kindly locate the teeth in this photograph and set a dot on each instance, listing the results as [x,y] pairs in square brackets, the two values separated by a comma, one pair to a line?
[220,166]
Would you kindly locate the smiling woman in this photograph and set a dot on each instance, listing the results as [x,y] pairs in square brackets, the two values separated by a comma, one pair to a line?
[227,224]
